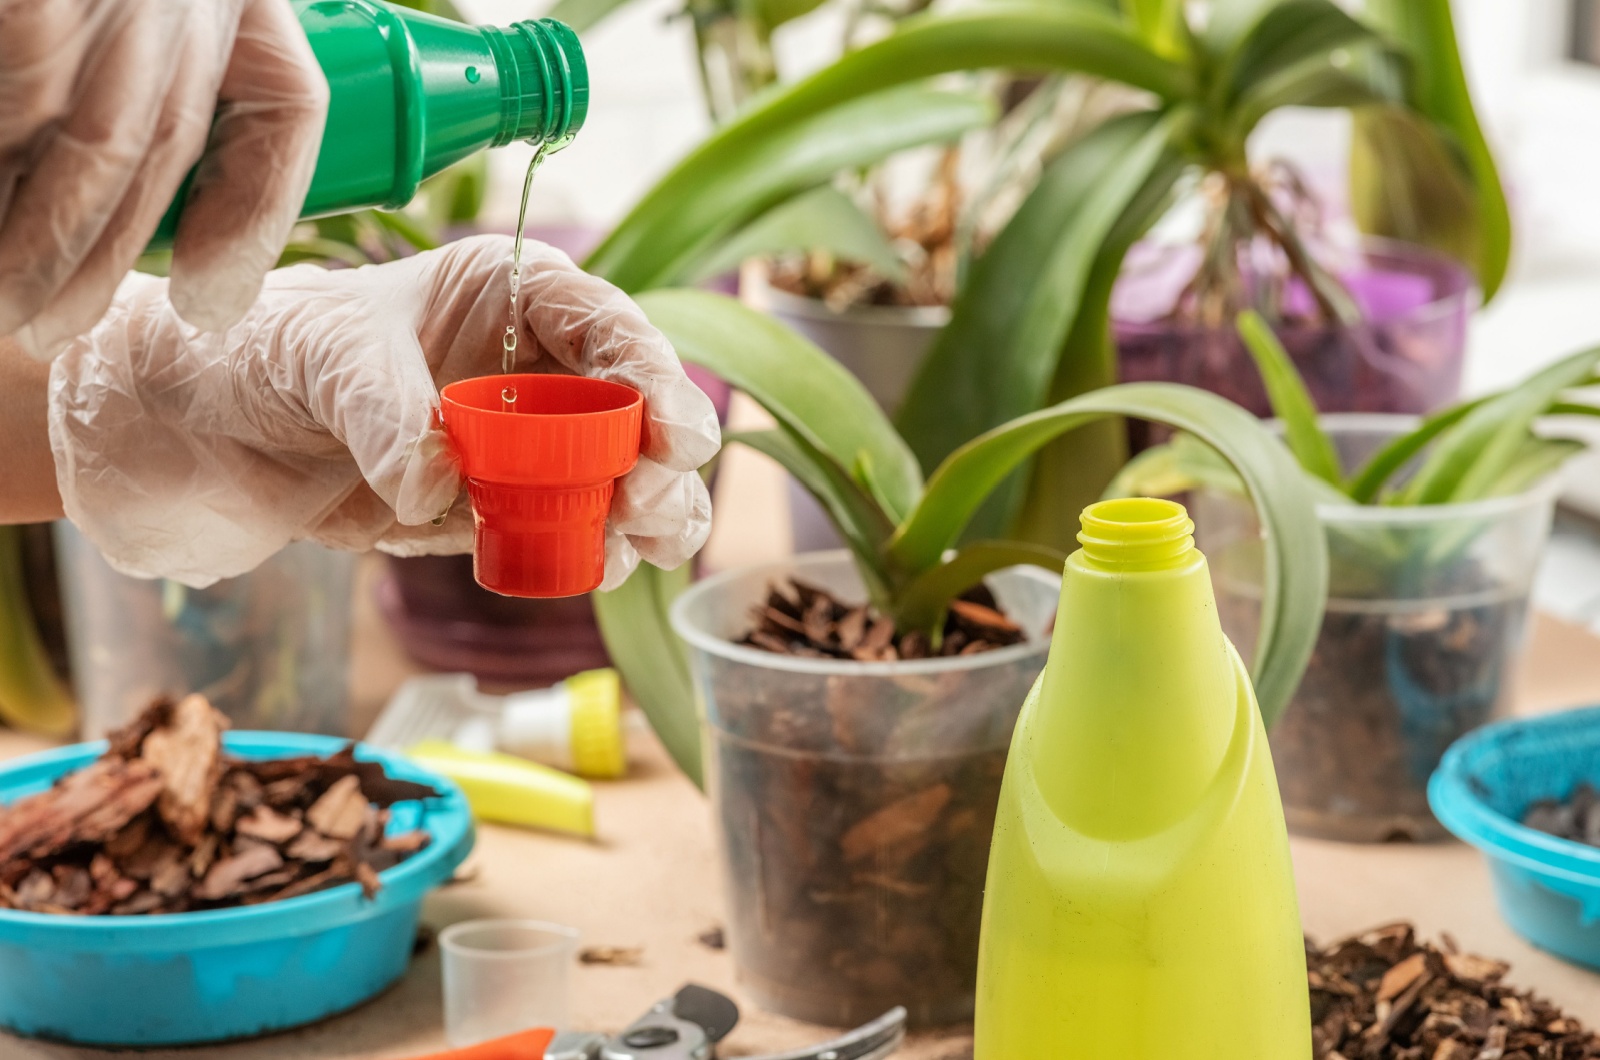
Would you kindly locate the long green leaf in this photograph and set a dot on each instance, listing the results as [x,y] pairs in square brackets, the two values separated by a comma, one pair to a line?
[1160,23]
[1465,462]
[650,658]
[1439,91]
[1370,78]
[1571,408]
[1366,485]
[996,358]
[723,184]
[739,174]
[1072,471]
[775,13]
[1186,463]
[858,518]
[1296,557]
[1408,183]
[1170,469]
[1287,34]
[1290,399]
[825,219]
[806,391]
[1386,462]
[1227,22]
[923,601]
[1536,460]
[1026,38]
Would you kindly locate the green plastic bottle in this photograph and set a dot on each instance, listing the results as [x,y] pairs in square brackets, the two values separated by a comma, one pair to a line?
[411,93]
[1140,901]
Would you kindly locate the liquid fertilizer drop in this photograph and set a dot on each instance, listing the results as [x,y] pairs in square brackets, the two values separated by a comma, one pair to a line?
[508,344]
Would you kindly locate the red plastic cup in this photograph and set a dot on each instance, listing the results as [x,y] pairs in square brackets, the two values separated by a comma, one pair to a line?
[541,477]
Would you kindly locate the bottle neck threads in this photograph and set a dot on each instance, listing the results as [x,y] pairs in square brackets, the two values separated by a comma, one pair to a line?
[1136,534]
[544,81]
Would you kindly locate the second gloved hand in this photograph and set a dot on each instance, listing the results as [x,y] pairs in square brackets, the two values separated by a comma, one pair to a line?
[195,456]
[104,107]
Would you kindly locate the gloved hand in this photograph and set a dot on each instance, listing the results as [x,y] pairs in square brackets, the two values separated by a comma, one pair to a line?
[104,107]
[195,456]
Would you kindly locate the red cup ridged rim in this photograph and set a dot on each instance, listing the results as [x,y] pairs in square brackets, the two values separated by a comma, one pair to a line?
[590,434]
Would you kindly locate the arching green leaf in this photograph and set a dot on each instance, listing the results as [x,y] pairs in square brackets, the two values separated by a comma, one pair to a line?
[1426,29]
[824,219]
[1023,294]
[735,177]
[806,391]
[1296,566]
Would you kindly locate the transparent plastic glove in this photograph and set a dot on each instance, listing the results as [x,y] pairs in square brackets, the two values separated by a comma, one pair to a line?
[105,105]
[195,456]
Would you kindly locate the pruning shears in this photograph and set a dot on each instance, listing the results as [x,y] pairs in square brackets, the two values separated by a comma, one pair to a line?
[686,1026]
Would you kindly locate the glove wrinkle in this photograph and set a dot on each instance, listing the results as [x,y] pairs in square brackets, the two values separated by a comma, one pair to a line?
[195,455]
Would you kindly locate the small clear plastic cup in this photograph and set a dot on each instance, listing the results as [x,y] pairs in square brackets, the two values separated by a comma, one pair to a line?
[505,976]
[540,473]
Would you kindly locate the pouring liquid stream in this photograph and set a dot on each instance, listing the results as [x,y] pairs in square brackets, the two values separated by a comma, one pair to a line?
[508,344]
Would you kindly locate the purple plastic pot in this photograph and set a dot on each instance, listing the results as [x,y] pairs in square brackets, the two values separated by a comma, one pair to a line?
[447,621]
[1405,356]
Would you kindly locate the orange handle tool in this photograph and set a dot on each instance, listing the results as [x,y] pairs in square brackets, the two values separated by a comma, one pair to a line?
[524,1045]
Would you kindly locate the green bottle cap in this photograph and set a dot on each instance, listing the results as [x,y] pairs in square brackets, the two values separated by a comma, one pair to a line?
[544,80]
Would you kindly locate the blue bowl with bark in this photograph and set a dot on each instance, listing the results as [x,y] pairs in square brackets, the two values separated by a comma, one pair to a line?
[1547,887]
[214,975]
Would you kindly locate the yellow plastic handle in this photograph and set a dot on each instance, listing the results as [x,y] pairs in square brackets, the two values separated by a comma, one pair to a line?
[511,790]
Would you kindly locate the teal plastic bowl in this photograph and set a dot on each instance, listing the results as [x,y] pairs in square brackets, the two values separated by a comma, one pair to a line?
[1548,888]
[184,978]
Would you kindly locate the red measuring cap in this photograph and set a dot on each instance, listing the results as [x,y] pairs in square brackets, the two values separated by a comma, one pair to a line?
[541,477]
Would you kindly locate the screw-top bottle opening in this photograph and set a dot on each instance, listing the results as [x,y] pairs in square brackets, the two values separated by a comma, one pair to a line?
[1136,534]
[544,80]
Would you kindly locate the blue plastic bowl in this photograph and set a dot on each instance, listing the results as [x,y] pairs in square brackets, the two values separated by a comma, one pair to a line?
[1548,888]
[183,978]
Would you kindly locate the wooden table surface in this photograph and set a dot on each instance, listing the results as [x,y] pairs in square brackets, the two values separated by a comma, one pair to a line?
[650,881]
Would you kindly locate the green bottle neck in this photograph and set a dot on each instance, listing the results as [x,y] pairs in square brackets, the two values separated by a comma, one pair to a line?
[412,93]
[544,81]
[1139,700]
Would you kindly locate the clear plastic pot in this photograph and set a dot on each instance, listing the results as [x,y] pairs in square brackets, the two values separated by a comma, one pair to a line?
[855,801]
[270,649]
[1423,629]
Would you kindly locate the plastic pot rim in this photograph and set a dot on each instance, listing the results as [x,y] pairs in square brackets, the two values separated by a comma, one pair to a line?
[712,644]
[1473,821]
[307,914]
[1393,424]
[929,317]
[562,937]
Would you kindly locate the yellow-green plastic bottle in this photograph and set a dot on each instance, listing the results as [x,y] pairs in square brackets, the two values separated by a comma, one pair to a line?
[1140,902]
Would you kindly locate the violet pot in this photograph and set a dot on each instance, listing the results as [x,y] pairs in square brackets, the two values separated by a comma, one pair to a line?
[1404,357]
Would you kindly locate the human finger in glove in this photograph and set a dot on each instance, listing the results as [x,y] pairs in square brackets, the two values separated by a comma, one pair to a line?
[105,105]
[194,456]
